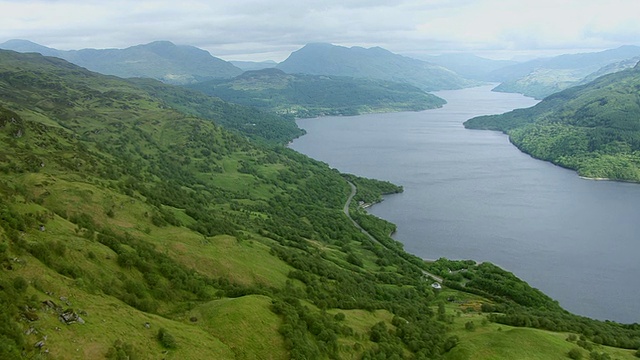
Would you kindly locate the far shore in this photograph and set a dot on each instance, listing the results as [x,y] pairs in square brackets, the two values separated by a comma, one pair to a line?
[596,178]
[607,179]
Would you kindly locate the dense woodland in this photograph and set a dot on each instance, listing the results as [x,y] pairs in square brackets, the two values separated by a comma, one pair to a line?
[592,128]
[135,225]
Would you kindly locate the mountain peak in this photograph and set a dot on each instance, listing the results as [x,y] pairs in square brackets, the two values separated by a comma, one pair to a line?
[372,63]
[19,42]
[160,44]
[21,45]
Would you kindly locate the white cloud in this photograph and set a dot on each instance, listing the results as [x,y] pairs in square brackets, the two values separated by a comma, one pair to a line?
[255,28]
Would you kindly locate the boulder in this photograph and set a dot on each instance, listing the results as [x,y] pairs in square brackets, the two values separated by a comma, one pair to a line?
[69,317]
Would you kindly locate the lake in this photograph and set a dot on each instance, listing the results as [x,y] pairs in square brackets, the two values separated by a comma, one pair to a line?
[470,194]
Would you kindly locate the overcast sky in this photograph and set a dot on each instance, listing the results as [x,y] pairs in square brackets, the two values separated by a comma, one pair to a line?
[261,30]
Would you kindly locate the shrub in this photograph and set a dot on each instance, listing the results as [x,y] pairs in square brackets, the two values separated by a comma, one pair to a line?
[167,340]
[594,355]
[450,343]
[470,326]
[122,351]
[575,354]
[20,284]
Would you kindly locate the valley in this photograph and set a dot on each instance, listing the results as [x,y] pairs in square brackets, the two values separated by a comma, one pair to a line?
[143,220]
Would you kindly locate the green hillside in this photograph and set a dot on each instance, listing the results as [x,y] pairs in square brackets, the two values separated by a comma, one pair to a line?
[314,95]
[251,122]
[593,128]
[130,229]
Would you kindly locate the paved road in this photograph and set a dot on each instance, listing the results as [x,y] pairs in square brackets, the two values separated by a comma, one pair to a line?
[346,212]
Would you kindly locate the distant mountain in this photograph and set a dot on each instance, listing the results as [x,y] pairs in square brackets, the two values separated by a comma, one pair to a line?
[161,60]
[470,66]
[372,63]
[542,77]
[302,95]
[254,65]
[592,128]
[611,68]
[26,46]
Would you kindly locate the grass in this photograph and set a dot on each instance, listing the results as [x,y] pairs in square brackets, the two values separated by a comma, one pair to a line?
[107,320]
[245,324]
[491,341]
[246,262]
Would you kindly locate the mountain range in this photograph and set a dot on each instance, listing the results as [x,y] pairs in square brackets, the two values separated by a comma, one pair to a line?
[542,77]
[161,60]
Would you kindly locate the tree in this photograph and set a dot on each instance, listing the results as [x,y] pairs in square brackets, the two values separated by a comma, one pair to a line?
[167,340]
[470,326]
[575,354]
[450,343]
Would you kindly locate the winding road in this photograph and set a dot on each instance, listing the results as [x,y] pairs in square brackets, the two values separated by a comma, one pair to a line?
[347,205]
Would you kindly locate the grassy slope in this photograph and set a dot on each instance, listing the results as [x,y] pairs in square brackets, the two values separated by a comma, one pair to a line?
[496,341]
[593,128]
[94,158]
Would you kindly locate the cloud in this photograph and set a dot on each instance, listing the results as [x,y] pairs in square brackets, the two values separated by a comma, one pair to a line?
[246,29]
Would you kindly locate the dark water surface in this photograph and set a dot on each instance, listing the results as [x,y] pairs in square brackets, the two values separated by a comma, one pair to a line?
[470,194]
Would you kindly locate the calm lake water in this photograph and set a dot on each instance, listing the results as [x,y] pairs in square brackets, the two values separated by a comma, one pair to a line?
[470,194]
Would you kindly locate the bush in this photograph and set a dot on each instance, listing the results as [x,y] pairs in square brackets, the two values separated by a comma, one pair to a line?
[122,351]
[167,340]
[585,344]
[575,354]
[594,355]
[470,326]
[20,284]
[450,343]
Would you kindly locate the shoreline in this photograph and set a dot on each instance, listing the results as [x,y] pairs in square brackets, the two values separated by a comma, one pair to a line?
[599,179]
[426,259]
[608,179]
